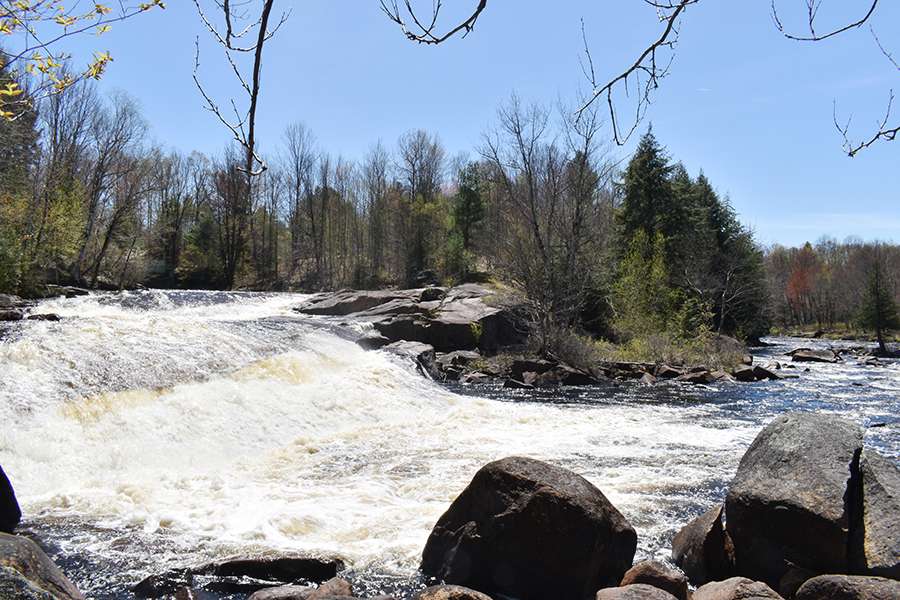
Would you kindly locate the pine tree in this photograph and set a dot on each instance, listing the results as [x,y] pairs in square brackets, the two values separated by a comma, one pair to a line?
[879,310]
[468,206]
[648,191]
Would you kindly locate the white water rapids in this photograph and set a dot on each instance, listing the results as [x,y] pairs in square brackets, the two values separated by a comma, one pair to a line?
[211,423]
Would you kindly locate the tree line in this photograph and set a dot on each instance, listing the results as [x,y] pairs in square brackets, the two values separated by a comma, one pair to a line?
[619,251]
[826,285]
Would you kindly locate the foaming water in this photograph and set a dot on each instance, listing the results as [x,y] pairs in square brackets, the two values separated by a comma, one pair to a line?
[155,429]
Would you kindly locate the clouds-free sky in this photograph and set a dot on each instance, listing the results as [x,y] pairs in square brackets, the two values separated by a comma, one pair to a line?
[750,108]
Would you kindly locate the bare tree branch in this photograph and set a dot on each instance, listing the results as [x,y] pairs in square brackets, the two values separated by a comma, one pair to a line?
[425,33]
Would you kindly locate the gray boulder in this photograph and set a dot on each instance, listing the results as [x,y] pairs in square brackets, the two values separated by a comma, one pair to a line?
[786,505]
[736,588]
[703,549]
[635,591]
[876,543]
[849,587]
[26,573]
[531,530]
[10,514]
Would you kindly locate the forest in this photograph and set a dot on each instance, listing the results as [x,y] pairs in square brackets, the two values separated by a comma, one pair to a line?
[617,249]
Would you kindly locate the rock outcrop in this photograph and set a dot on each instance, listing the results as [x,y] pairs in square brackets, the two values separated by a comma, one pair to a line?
[464,317]
[530,530]
[10,514]
[787,504]
[26,573]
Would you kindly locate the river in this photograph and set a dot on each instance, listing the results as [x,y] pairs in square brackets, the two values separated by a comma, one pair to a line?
[149,430]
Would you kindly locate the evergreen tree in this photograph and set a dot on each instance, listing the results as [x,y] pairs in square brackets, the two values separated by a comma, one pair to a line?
[879,310]
[647,191]
[468,205]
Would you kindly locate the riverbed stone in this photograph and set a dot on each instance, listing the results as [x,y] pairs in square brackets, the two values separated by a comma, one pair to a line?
[27,573]
[450,592]
[703,548]
[736,588]
[810,355]
[531,530]
[422,355]
[849,587]
[10,513]
[876,544]
[658,575]
[634,591]
[786,504]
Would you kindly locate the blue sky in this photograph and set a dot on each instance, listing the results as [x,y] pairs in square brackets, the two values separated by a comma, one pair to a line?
[750,108]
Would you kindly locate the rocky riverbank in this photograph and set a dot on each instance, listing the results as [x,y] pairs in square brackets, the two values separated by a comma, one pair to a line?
[473,333]
[812,513]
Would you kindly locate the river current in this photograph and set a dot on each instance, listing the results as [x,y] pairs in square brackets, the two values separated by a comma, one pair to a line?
[156,429]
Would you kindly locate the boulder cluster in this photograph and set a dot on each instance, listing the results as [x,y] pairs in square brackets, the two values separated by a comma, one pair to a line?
[811,514]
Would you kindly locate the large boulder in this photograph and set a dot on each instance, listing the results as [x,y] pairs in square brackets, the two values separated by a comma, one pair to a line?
[787,505]
[849,587]
[530,530]
[736,588]
[26,573]
[450,592]
[634,591]
[703,548]
[658,575]
[10,514]
[876,543]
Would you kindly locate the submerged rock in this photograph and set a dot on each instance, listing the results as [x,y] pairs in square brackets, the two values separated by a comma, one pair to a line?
[786,504]
[849,587]
[658,575]
[736,588]
[26,573]
[635,591]
[10,514]
[703,549]
[876,545]
[531,530]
